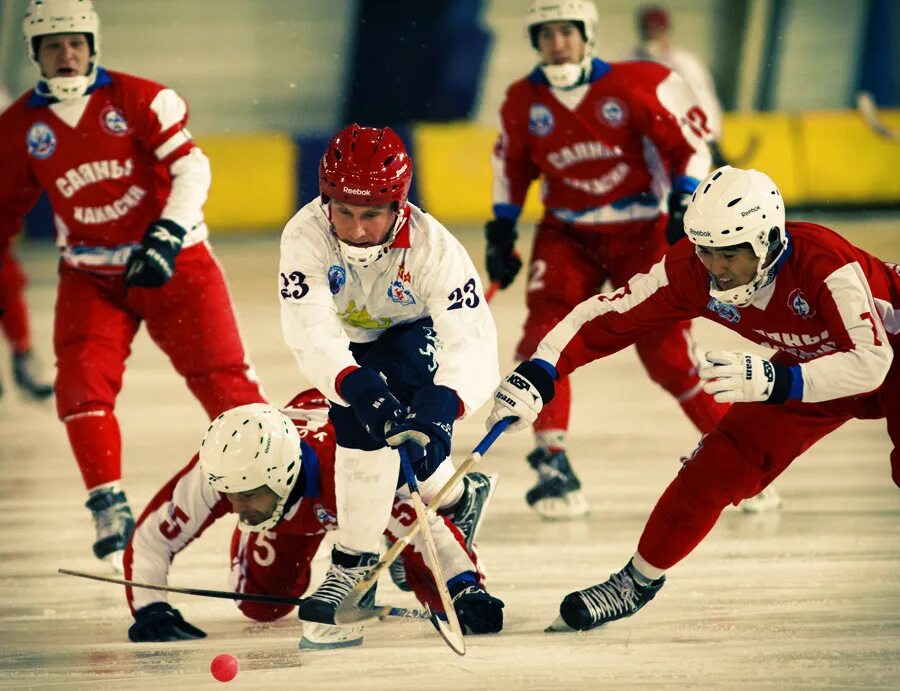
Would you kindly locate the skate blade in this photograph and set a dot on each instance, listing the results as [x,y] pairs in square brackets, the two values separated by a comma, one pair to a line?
[570,507]
[559,626]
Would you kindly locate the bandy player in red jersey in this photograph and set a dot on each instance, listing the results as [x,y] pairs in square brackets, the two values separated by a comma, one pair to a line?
[831,312]
[127,185]
[275,469]
[620,147]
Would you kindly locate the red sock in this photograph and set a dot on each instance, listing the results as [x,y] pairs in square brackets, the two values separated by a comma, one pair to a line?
[97,444]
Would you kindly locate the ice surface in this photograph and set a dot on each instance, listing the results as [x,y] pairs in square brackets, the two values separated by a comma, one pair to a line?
[808,597]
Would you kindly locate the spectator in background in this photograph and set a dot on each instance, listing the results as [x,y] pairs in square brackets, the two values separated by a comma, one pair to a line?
[654,26]
[127,184]
[14,314]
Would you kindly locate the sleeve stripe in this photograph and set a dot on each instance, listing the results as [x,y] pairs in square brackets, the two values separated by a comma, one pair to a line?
[176,140]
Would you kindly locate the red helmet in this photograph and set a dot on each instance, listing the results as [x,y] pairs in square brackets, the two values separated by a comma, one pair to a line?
[652,17]
[366,166]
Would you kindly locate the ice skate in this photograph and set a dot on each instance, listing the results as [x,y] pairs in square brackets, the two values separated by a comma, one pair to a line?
[621,596]
[345,571]
[398,571]
[328,636]
[469,511]
[24,368]
[767,500]
[557,494]
[114,524]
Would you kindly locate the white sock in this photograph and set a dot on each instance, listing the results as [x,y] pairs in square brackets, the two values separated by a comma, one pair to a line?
[428,488]
[645,568]
[364,483]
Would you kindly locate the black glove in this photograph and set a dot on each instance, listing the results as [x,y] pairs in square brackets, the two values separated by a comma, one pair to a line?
[371,400]
[503,262]
[477,610]
[678,202]
[159,622]
[152,264]
[428,423]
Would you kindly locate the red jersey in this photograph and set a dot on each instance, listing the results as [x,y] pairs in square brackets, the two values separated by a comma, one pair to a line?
[107,160]
[609,151]
[832,310]
[187,505]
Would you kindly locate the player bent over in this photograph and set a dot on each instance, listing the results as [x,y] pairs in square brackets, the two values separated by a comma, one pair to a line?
[385,314]
[829,310]
[275,469]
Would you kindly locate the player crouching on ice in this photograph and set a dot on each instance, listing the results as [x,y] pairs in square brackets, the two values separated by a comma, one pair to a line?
[276,471]
[829,310]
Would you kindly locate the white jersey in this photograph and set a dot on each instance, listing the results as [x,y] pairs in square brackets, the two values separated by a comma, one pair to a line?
[327,303]
[698,77]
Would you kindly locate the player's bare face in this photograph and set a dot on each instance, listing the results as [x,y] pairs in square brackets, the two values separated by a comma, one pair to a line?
[560,43]
[361,226]
[730,267]
[64,55]
[255,505]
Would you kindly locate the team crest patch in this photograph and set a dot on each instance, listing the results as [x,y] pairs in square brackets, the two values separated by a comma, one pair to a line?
[41,140]
[799,305]
[727,312]
[337,277]
[540,120]
[613,112]
[326,518]
[112,120]
[400,293]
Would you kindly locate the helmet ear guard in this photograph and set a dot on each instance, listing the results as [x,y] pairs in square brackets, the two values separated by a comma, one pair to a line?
[251,446]
[732,207]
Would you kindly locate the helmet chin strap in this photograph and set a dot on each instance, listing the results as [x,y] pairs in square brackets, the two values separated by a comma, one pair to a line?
[568,75]
[67,88]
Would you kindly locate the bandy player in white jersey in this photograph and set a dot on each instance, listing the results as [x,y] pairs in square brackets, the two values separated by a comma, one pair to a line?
[127,184]
[385,313]
[619,147]
[830,310]
[279,479]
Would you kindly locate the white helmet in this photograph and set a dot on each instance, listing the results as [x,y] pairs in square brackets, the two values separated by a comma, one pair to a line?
[250,446]
[45,17]
[731,207]
[583,13]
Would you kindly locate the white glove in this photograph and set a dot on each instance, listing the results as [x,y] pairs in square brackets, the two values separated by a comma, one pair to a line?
[521,396]
[737,377]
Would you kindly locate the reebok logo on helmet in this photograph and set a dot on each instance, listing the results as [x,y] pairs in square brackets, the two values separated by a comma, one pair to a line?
[351,190]
[747,213]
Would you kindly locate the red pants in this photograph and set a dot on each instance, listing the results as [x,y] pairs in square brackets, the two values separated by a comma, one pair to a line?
[190,318]
[277,563]
[752,445]
[567,267]
[13,311]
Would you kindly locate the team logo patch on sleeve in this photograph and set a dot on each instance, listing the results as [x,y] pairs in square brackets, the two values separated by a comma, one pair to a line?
[540,120]
[112,121]
[799,305]
[613,112]
[337,277]
[727,312]
[41,140]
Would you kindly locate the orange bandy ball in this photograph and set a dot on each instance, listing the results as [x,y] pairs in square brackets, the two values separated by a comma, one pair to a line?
[224,667]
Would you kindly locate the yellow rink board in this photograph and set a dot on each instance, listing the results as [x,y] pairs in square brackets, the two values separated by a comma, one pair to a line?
[253,181]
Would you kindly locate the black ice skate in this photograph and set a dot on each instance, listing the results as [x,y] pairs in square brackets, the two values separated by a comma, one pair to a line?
[317,611]
[25,375]
[468,513]
[619,597]
[557,494]
[113,523]
[397,569]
